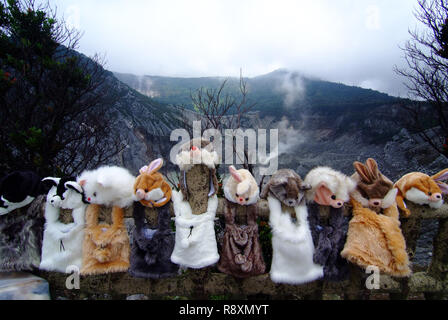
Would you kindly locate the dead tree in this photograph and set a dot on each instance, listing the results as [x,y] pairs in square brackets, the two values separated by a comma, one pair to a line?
[222,110]
[426,72]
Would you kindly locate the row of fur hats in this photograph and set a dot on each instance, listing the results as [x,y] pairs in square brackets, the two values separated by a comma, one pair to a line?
[305,247]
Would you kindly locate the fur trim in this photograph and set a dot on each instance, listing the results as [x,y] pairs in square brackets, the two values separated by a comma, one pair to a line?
[292,246]
[329,237]
[340,184]
[195,245]
[376,239]
[151,249]
[186,160]
[106,247]
[241,254]
[21,237]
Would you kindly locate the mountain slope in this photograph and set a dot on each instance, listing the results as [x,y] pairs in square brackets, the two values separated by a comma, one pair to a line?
[280,90]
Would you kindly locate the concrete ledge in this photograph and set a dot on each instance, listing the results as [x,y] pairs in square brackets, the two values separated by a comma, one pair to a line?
[204,283]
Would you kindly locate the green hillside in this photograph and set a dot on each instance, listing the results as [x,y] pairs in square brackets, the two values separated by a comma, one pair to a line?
[268,91]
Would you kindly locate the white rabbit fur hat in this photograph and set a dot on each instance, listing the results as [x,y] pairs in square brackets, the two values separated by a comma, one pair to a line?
[241,187]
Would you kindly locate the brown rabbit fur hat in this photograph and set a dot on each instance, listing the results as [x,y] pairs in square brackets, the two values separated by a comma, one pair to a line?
[373,190]
[149,183]
[287,186]
[372,238]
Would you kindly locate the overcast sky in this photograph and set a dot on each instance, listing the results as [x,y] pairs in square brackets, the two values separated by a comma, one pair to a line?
[355,42]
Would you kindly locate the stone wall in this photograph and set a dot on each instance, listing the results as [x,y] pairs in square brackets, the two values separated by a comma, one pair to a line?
[208,283]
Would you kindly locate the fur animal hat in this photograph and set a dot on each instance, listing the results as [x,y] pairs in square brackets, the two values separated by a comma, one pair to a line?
[329,187]
[286,186]
[292,243]
[241,187]
[372,238]
[374,190]
[65,193]
[152,246]
[62,243]
[150,187]
[241,254]
[18,189]
[421,189]
[197,152]
[108,185]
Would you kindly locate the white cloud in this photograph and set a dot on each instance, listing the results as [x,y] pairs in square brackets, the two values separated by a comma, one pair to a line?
[348,41]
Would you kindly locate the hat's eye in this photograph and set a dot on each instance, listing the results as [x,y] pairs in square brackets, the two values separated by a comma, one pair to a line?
[430,193]
[94,194]
[247,199]
[333,197]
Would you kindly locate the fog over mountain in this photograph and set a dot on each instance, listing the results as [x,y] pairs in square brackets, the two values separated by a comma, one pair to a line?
[355,42]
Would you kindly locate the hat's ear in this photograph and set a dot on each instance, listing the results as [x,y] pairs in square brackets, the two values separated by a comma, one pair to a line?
[51,181]
[443,187]
[155,165]
[362,171]
[82,183]
[373,169]
[440,176]
[322,194]
[143,170]
[74,186]
[235,174]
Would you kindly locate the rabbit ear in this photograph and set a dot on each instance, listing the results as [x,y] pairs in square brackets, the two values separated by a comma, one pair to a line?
[144,170]
[155,165]
[372,166]
[443,187]
[442,175]
[235,174]
[361,169]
